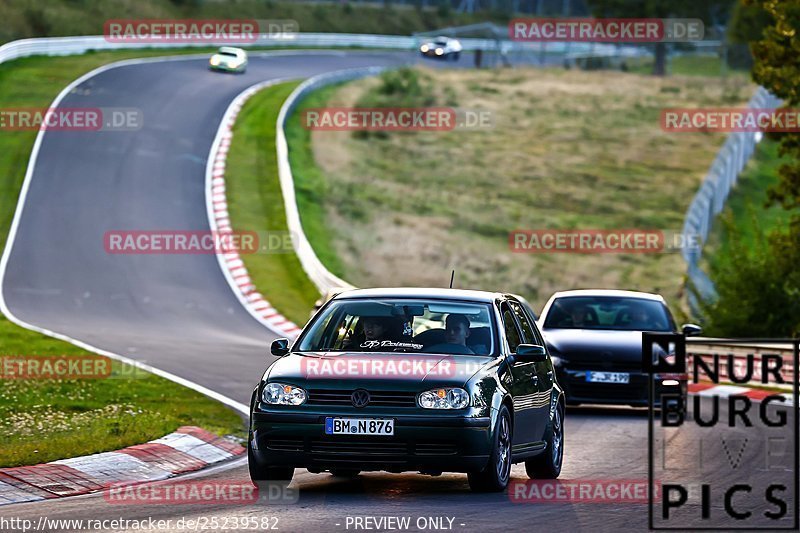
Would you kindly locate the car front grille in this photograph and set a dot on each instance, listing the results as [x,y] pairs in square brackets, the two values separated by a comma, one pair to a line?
[359,448]
[285,445]
[376,398]
[345,447]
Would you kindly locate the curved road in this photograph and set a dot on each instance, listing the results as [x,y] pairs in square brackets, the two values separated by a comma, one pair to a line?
[178,313]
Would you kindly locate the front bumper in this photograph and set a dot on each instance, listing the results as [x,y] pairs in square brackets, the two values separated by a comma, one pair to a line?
[635,392]
[443,443]
[225,68]
[431,54]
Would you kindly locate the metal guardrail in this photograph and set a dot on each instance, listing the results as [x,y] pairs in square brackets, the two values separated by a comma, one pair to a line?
[315,270]
[709,349]
[54,46]
[710,199]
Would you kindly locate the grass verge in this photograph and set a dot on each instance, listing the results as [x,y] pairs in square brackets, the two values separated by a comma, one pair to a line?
[44,420]
[255,203]
[746,203]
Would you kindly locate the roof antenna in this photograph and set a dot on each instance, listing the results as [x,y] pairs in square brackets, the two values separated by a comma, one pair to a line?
[452,276]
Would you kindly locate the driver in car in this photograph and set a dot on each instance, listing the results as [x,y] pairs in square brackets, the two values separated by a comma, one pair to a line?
[456,329]
[641,319]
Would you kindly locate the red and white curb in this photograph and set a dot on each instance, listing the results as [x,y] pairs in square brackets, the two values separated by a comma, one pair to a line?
[723,391]
[232,265]
[189,448]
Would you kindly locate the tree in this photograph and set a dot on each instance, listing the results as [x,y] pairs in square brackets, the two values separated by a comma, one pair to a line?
[709,11]
[759,288]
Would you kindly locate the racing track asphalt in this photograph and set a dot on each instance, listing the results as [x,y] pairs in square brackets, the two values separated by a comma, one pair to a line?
[178,313]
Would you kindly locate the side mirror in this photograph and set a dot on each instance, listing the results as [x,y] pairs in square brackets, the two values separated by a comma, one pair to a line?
[531,352]
[691,329]
[280,347]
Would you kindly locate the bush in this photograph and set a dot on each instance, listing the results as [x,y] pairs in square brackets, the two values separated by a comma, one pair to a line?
[758,285]
[404,87]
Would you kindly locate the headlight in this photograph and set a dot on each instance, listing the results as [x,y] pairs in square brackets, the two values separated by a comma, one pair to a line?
[439,51]
[424,48]
[280,394]
[444,399]
[214,61]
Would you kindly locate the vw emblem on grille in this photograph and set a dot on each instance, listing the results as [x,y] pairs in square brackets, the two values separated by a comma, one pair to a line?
[360,398]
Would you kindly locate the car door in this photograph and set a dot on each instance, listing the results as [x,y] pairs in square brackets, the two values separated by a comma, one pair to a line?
[524,387]
[542,370]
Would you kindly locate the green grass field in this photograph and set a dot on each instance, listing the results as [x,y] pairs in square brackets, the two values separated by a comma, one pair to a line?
[255,203]
[44,420]
[310,183]
[568,150]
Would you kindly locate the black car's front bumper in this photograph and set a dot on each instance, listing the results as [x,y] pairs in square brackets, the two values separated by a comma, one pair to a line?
[420,443]
[578,390]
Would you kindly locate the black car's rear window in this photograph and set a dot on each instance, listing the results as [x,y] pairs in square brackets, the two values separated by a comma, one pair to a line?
[608,312]
[402,325]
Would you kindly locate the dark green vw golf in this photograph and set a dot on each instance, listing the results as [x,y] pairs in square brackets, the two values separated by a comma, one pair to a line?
[427,380]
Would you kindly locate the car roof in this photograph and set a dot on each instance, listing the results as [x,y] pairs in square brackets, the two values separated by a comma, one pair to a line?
[421,292]
[230,50]
[609,292]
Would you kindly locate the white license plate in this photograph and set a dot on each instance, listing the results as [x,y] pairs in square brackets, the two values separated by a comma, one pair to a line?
[359,426]
[607,377]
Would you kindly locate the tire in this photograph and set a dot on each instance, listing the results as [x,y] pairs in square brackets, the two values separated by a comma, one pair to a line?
[345,472]
[261,476]
[548,464]
[495,476]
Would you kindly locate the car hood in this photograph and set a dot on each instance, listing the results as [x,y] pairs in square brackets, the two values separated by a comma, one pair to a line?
[591,346]
[387,371]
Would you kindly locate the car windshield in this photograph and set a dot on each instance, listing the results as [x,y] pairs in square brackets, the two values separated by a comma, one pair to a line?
[402,325]
[229,54]
[607,312]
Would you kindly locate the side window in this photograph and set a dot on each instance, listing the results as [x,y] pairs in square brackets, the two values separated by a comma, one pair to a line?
[510,326]
[528,335]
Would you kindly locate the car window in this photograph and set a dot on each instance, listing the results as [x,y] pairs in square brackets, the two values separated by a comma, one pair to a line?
[608,312]
[528,336]
[402,325]
[512,333]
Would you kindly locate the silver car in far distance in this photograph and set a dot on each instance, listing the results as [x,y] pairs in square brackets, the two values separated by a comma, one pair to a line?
[229,59]
[441,48]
